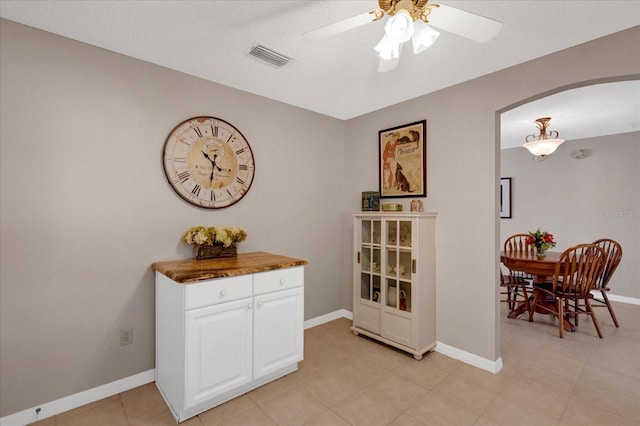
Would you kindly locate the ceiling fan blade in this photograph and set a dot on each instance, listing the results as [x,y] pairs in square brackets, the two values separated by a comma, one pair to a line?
[338,27]
[466,24]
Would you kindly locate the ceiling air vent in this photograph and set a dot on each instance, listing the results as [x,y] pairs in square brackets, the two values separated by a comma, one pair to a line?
[270,56]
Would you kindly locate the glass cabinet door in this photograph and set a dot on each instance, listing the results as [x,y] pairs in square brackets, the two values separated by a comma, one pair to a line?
[370,256]
[399,265]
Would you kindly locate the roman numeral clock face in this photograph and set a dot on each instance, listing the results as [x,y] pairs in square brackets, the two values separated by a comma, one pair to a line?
[208,162]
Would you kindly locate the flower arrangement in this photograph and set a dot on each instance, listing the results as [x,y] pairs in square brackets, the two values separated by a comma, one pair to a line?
[542,240]
[224,236]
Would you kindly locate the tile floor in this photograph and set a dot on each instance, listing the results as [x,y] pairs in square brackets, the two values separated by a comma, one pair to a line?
[350,380]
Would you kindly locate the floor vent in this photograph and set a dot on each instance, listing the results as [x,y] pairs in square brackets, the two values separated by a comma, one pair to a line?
[270,56]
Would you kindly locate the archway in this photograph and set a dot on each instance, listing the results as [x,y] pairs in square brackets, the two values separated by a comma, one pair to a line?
[527,218]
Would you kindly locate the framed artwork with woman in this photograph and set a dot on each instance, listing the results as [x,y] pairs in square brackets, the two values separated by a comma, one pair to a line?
[403,160]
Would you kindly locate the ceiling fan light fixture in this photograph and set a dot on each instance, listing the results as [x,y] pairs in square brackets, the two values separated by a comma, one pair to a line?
[424,37]
[386,65]
[543,143]
[384,48]
[399,28]
[396,48]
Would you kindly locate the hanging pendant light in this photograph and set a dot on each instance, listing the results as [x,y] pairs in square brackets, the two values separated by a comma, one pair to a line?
[543,143]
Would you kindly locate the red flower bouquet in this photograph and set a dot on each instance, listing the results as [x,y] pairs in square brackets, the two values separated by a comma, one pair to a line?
[542,240]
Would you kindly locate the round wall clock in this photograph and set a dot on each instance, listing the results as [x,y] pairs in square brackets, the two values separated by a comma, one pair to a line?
[208,162]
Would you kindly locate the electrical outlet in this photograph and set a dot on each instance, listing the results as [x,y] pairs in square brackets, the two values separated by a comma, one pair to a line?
[126,336]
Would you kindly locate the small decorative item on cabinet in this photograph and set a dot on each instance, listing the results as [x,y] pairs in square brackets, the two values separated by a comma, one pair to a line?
[211,251]
[403,300]
[370,201]
[392,207]
[214,242]
[417,206]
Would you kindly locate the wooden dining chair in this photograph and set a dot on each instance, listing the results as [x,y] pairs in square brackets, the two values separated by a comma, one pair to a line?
[517,242]
[614,255]
[514,290]
[576,274]
[514,284]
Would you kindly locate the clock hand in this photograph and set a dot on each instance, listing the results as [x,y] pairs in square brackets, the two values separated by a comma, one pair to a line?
[213,166]
[213,163]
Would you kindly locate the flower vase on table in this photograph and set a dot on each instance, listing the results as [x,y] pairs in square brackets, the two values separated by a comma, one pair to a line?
[212,251]
[213,242]
[542,240]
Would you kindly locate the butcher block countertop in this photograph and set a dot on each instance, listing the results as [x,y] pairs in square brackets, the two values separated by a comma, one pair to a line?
[186,271]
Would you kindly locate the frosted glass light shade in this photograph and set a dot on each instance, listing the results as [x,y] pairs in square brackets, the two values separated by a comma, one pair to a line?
[399,27]
[388,49]
[423,37]
[384,48]
[543,147]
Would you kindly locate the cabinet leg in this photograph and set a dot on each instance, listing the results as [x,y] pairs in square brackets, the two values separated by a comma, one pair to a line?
[418,357]
[355,332]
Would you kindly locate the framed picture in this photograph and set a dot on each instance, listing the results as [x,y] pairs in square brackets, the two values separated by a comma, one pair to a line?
[505,198]
[403,161]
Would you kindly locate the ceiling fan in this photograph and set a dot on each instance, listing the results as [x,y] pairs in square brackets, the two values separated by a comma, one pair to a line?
[412,20]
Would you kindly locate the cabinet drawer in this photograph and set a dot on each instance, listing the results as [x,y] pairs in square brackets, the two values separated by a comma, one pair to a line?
[280,279]
[216,291]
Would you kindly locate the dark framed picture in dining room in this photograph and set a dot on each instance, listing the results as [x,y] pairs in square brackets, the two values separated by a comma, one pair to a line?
[505,198]
[402,161]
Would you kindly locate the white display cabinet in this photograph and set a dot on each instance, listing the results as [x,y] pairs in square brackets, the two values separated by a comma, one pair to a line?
[394,279]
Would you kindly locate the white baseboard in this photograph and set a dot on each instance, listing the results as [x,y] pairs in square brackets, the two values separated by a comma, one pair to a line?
[623,299]
[469,358]
[79,399]
[331,316]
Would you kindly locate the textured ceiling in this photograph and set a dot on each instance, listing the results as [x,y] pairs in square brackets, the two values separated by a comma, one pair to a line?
[338,76]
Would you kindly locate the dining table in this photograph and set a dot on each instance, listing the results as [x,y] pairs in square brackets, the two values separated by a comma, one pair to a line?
[542,269]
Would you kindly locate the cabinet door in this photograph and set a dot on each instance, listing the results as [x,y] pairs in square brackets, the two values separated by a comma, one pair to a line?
[218,345]
[369,258]
[367,290]
[278,330]
[399,281]
[400,265]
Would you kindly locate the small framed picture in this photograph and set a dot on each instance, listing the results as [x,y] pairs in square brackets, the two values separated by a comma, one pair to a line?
[505,198]
[403,161]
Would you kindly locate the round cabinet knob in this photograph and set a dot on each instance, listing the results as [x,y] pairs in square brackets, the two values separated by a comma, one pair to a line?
[259,303]
[223,293]
[250,305]
[281,281]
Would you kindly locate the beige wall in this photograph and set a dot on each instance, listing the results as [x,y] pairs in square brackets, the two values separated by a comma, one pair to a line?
[581,200]
[85,208]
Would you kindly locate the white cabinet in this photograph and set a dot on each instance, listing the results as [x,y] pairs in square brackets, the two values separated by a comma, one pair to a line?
[394,279]
[219,338]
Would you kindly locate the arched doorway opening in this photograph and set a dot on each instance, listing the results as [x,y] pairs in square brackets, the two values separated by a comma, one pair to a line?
[545,193]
